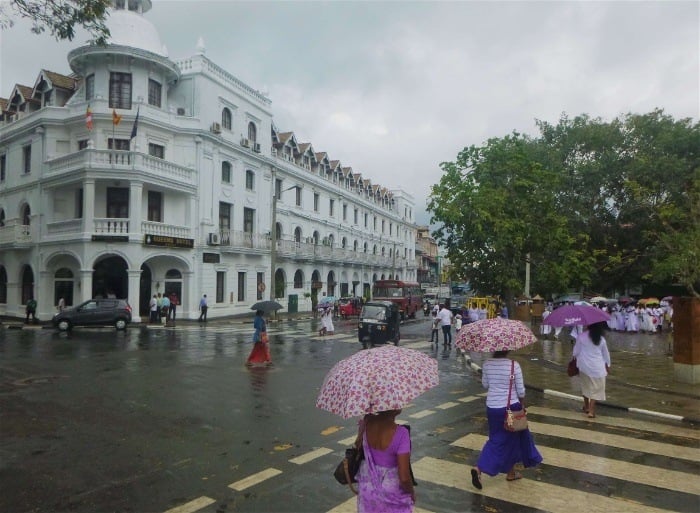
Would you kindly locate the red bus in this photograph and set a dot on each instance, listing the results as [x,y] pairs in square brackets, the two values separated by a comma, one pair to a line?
[406,294]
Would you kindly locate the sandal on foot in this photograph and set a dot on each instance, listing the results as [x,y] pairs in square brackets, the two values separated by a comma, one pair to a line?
[476,479]
[591,415]
[514,477]
[584,409]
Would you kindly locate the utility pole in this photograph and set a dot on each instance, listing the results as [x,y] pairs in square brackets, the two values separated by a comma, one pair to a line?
[273,235]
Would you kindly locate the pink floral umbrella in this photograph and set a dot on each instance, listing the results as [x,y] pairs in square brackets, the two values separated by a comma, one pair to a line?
[496,334]
[377,379]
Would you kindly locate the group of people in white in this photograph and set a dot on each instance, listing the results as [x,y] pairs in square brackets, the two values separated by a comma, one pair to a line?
[632,318]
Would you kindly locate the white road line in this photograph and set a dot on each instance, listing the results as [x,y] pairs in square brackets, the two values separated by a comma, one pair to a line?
[190,507]
[447,405]
[624,422]
[526,492]
[469,399]
[631,472]
[623,442]
[312,455]
[421,414]
[350,506]
[254,479]
[348,441]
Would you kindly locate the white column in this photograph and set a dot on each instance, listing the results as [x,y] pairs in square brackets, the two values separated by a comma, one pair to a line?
[89,212]
[134,293]
[135,211]
[84,284]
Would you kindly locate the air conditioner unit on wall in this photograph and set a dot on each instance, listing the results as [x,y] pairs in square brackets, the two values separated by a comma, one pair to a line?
[214,239]
[180,111]
[256,147]
[245,142]
[216,128]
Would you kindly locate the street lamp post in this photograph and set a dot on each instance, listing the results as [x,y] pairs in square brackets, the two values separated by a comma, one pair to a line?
[273,232]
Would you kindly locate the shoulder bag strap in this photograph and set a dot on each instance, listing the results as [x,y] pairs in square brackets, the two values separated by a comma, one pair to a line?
[510,383]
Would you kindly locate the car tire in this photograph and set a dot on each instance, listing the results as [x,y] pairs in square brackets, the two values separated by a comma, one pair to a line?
[120,324]
[63,325]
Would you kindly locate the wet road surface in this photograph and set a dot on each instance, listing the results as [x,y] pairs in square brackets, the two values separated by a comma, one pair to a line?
[158,420]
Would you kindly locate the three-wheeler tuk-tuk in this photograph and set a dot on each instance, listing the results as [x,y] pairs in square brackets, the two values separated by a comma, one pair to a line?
[379,323]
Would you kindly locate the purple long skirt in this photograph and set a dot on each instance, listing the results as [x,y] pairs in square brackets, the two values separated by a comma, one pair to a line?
[505,448]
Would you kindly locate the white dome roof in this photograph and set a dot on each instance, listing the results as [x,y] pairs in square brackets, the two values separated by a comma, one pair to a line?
[130,29]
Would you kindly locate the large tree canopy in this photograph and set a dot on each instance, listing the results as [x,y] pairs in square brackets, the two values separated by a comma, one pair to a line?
[590,204]
[60,17]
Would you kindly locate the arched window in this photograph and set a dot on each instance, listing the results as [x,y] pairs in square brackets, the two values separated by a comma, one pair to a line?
[63,286]
[252,132]
[383,250]
[374,249]
[26,215]
[278,231]
[354,246]
[331,240]
[298,279]
[226,118]
[226,172]
[364,248]
[2,217]
[249,180]
[173,274]
[344,242]
[297,234]
[279,283]
[3,285]
[317,238]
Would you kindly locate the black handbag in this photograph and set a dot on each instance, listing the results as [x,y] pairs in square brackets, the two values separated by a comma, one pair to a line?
[572,368]
[347,469]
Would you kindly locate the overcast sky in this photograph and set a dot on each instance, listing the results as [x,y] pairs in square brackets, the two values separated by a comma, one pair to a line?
[394,88]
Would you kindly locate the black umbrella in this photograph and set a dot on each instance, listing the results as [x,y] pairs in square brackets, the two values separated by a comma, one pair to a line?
[266,306]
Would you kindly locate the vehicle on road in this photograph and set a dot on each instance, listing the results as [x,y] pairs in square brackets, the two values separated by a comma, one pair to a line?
[379,323]
[407,295]
[349,306]
[95,312]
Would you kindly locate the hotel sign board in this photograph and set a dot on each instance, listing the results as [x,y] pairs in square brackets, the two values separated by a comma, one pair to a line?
[110,238]
[169,242]
[211,258]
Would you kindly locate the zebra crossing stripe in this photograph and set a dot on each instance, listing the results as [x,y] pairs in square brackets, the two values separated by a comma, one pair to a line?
[421,414]
[471,398]
[195,505]
[625,422]
[447,405]
[623,442]
[350,506]
[254,479]
[633,472]
[524,492]
[312,455]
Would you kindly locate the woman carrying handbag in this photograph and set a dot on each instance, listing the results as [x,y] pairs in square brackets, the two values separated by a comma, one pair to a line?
[503,378]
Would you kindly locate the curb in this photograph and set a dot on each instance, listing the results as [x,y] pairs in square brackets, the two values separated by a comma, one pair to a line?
[564,395]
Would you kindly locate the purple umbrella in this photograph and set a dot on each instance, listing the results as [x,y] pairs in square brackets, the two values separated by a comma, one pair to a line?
[576,315]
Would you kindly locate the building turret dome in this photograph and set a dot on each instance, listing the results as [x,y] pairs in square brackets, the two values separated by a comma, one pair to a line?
[130,28]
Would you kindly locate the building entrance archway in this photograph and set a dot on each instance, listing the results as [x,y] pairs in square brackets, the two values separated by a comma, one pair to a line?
[110,279]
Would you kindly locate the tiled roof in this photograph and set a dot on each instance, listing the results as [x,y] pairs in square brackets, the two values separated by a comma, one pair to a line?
[303,147]
[3,104]
[62,81]
[25,91]
[375,188]
[334,164]
[321,156]
[285,136]
[347,171]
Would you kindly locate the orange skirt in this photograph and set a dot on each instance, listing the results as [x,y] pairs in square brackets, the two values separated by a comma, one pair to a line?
[259,354]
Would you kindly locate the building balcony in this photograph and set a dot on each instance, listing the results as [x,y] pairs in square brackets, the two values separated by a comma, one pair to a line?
[236,241]
[107,162]
[15,234]
[75,228]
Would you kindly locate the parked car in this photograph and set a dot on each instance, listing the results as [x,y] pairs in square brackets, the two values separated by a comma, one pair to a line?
[379,324]
[95,312]
[350,306]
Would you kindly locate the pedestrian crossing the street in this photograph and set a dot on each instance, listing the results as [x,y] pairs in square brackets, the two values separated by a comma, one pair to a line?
[604,465]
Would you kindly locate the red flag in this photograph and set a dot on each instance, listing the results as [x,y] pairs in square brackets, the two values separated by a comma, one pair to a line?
[88,118]
[116,118]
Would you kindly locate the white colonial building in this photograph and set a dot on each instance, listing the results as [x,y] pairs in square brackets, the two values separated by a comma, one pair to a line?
[138,174]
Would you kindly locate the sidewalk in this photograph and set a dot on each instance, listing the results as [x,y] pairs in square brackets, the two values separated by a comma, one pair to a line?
[641,377]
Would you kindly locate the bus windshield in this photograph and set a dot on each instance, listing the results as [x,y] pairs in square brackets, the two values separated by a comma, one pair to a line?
[388,292]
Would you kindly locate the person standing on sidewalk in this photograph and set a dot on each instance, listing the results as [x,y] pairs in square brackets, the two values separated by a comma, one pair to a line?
[173,305]
[203,307]
[153,309]
[165,309]
[30,310]
[593,361]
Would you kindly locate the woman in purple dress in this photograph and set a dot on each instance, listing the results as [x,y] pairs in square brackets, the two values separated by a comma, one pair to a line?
[384,479]
[504,449]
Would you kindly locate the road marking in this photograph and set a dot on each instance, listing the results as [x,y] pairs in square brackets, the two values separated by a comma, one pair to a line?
[623,442]
[309,456]
[197,504]
[625,422]
[254,479]
[525,492]
[631,472]
[447,406]
[350,506]
[470,398]
[421,414]
[348,441]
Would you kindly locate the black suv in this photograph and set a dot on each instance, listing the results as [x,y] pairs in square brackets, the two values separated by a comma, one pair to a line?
[95,312]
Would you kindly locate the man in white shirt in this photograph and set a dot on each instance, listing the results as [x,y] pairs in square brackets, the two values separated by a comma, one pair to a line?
[445,316]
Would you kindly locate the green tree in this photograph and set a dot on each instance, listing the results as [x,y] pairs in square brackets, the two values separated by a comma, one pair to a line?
[60,17]
[495,205]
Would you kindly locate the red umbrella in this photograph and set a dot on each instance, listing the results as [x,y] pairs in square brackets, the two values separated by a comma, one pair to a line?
[576,315]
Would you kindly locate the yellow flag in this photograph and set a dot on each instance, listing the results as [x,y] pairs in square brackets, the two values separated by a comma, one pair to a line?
[116,118]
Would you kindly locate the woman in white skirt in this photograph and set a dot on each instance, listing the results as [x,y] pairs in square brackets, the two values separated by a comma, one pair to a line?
[593,362]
